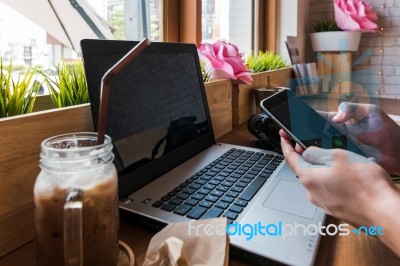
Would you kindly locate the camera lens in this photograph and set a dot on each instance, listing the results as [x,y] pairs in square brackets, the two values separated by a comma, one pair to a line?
[265,130]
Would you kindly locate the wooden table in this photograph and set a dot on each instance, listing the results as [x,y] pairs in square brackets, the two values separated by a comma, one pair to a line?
[333,251]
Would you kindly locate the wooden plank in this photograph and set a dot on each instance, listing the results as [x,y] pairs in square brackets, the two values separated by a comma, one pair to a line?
[324,64]
[270,24]
[345,72]
[16,227]
[221,117]
[334,70]
[170,20]
[20,140]
[190,21]
[243,106]
[43,102]
[243,99]
[219,98]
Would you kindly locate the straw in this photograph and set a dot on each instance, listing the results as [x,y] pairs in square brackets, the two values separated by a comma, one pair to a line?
[105,85]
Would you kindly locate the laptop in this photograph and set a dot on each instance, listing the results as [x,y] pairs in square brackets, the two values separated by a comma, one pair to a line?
[171,169]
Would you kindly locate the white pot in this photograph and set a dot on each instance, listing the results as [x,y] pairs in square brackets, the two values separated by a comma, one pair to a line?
[339,41]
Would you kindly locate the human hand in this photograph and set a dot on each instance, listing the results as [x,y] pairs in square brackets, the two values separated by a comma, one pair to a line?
[369,126]
[346,185]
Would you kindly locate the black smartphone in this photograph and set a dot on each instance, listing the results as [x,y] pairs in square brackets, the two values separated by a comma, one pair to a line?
[305,125]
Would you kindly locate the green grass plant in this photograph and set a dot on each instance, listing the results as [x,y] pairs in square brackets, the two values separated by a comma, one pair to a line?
[17,97]
[264,61]
[204,73]
[69,87]
[325,25]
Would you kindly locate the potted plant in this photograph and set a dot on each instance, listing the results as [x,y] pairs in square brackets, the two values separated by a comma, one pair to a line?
[69,88]
[344,33]
[335,42]
[266,68]
[265,61]
[17,97]
[327,36]
[19,156]
[221,62]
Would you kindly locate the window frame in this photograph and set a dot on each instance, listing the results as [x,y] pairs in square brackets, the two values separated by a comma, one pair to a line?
[182,22]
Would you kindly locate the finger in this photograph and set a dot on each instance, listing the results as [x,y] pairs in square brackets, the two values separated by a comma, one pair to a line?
[318,156]
[287,147]
[331,125]
[294,160]
[347,111]
[284,134]
[328,116]
[298,149]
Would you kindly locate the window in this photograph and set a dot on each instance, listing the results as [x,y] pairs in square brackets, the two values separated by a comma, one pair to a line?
[230,20]
[133,19]
[159,20]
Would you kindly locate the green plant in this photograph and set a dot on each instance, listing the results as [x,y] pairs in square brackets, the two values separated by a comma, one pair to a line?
[17,98]
[69,87]
[325,25]
[204,73]
[265,61]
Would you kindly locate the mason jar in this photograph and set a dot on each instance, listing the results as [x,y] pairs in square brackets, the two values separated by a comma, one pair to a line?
[76,202]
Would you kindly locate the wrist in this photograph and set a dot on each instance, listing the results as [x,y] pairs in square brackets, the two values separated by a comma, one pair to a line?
[385,207]
[386,217]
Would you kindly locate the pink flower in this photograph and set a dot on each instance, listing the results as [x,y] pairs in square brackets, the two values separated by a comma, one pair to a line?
[223,61]
[355,15]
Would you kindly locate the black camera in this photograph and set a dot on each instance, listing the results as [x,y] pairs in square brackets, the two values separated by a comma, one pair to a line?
[266,131]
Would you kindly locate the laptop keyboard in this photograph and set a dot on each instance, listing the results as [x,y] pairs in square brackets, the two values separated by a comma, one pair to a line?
[222,188]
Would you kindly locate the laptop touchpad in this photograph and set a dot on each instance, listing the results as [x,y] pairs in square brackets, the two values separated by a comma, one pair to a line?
[290,197]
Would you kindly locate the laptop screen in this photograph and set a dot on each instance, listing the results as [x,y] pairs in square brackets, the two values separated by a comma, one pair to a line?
[157,115]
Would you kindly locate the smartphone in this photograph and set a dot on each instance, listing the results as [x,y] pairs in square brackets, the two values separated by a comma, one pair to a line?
[305,125]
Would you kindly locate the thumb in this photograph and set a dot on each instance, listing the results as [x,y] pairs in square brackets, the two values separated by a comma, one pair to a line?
[346,111]
[354,111]
[318,156]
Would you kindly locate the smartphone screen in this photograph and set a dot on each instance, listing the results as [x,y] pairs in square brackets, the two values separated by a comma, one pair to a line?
[304,124]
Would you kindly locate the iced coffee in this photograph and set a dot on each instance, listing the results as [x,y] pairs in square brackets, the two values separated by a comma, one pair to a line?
[97,179]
